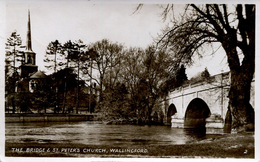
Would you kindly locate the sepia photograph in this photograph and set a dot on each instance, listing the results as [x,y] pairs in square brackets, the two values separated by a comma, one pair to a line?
[111,80]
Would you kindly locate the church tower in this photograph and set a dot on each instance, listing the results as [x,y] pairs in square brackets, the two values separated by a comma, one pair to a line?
[28,66]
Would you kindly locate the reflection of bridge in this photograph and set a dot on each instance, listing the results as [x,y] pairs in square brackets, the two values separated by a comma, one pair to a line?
[200,103]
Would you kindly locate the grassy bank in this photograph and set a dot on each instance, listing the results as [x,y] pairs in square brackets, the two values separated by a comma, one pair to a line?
[226,146]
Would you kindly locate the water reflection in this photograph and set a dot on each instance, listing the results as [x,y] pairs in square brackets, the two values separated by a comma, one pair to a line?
[198,134]
[99,134]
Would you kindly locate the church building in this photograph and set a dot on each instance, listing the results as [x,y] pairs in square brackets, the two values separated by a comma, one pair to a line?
[36,92]
[29,73]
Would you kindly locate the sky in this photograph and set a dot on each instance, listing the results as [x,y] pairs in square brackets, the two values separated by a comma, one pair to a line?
[51,20]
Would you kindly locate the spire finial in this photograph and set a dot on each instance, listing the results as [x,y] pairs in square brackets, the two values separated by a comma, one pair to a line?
[28,41]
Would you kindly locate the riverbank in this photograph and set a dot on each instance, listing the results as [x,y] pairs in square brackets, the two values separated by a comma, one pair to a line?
[27,118]
[239,145]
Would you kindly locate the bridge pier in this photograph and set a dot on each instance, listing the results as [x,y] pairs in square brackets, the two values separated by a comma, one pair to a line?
[213,124]
[177,121]
[215,121]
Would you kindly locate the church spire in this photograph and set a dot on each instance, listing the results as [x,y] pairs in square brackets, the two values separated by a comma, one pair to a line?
[28,40]
[28,67]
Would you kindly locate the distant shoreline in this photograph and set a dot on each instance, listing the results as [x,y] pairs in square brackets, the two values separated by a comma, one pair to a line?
[23,118]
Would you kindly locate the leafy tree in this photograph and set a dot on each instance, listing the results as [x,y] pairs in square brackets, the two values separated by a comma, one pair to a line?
[62,59]
[116,103]
[78,55]
[86,61]
[175,80]
[234,29]
[156,65]
[13,58]
[54,58]
[54,49]
[67,47]
[71,52]
[71,82]
[43,96]
[181,76]
[23,102]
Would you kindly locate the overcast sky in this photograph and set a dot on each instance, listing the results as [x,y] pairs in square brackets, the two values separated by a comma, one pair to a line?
[93,22]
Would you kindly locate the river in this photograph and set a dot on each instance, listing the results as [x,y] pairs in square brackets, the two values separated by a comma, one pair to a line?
[99,134]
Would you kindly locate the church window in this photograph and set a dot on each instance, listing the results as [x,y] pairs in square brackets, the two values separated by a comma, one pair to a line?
[32,86]
[29,59]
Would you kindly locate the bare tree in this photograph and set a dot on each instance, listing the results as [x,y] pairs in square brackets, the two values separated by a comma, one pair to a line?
[144,73]
[105,59]
[231,26]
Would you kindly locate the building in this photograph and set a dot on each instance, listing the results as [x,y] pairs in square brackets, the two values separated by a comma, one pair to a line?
[30,79]
[29,73]
[36,92]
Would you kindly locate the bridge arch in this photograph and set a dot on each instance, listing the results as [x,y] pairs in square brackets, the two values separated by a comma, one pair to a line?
[196,113]
[171,111]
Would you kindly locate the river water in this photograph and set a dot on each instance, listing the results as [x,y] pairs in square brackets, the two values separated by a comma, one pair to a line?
[99,134]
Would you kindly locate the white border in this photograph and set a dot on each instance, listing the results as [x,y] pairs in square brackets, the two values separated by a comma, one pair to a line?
[2,45]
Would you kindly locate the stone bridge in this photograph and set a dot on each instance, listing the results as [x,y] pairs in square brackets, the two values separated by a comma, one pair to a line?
[201,104]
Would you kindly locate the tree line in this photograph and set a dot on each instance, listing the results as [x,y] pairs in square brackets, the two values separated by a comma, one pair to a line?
[104,77]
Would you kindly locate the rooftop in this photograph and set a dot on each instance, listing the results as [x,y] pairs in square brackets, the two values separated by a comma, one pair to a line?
[38,75]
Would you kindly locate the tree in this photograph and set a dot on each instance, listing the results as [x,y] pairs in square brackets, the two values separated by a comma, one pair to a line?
[144,72]
[54,48]
[181,76]
[235,31]
[23,101]
[67,47]
[70,50]
[130,74]
[105,56]
[155,74]
[200,76]
[61,58]
[12,56]
[205,74]
[72,88]
[43,96]
[77,55]
[175,79]
[116,103]
[132,70]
